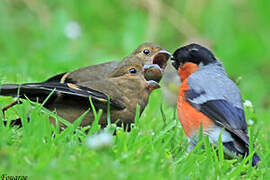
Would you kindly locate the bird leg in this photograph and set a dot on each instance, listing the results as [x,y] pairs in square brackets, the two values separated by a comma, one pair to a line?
[4,109]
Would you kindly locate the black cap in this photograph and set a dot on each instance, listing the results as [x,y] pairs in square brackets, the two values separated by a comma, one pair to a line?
[194,53]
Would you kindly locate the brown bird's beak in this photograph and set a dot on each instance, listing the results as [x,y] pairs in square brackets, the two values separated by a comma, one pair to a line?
[152,75]
[152,85]
[161,58]
[152,72]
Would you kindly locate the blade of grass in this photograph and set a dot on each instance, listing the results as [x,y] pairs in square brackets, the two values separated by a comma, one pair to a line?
[95,125]
[220,148]
[163,114]
[108,112]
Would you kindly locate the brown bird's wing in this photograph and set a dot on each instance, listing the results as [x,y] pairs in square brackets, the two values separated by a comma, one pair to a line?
[67,84]
[83,82]
[89,73]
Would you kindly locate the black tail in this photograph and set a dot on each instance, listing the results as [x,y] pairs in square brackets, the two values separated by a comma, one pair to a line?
[235,148]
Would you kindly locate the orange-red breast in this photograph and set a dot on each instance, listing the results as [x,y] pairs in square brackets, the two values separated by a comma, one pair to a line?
[209,98]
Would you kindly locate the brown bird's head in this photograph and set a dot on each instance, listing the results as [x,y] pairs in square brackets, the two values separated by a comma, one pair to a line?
[132,73]
[149,53]
[131,83]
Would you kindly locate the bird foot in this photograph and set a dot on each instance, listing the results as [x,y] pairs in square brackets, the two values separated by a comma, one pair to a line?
[4,109]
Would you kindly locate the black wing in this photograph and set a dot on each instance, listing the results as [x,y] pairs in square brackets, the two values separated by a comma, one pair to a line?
[223,113]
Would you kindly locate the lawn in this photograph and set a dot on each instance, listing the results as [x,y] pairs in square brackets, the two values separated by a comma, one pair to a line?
[41,38]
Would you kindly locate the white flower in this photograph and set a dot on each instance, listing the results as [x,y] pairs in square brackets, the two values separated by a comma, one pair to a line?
[101,140]
[250,122]
[248,104]
[72,30]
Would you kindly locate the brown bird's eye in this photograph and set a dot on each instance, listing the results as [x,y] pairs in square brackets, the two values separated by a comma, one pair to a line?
[132,70]
[146,51]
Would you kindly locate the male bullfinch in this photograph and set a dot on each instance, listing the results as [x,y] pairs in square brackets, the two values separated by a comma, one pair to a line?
[209,98]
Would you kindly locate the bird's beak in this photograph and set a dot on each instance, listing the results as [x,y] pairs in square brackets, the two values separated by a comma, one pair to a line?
[152,75]
[161,58]
[175,64]
[152,72]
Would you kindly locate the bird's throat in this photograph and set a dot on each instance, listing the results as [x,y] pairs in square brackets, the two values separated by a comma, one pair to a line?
[186,70]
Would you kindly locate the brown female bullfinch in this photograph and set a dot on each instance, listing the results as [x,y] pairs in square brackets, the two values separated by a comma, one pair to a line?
[127,83]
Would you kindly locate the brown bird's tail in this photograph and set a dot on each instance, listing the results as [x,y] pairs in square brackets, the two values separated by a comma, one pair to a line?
[9,90]
[31,91]
[41,91]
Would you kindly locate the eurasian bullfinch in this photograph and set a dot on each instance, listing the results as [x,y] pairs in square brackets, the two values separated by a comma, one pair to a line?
[208,97]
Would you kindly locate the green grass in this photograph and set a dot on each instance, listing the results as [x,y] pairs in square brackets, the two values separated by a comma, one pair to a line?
[33,47]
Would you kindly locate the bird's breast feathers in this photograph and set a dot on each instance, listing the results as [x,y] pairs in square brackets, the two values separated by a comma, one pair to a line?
[190,118]
[211,93]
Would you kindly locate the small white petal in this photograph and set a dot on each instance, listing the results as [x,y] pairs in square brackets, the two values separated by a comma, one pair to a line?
[101,140]
[72,30]
[250,122]
[248,104]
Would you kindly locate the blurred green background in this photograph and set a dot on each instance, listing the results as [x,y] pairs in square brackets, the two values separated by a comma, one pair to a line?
[41,38]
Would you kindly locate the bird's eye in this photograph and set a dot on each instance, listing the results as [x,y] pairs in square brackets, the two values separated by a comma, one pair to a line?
[132,70]
[146,51]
